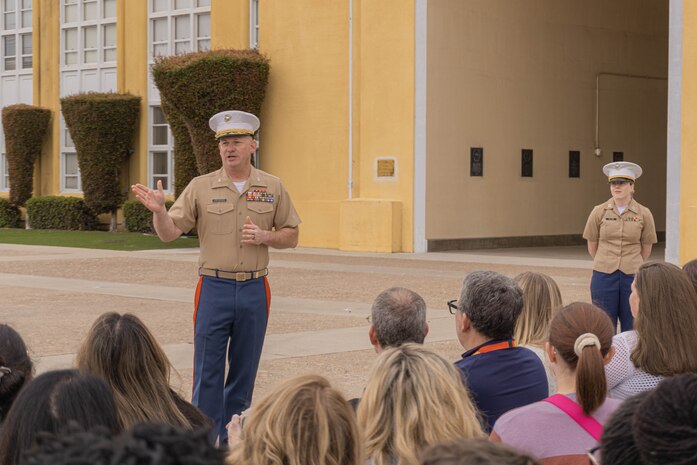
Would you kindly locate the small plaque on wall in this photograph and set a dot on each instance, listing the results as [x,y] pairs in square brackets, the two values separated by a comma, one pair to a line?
[617,156]
[574,164]
[386,167]
[526,163]
[476,161]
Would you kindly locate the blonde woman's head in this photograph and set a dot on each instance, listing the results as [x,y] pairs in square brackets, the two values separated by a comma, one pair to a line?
[304,421]
[414,399]
[541,301]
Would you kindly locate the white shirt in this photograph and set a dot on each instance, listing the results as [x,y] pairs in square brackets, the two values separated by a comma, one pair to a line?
[624,380]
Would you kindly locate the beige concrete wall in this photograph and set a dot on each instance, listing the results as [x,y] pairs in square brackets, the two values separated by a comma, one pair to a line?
[506,75]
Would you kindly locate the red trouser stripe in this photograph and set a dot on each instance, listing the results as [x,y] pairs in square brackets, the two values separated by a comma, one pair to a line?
[197,296]
[268,297]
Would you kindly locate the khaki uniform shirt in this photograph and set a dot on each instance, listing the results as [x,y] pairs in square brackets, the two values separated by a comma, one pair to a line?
[212,203]
[619,237]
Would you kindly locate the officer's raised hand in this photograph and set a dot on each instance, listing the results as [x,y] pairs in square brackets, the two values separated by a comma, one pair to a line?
[153,200]
[253,234]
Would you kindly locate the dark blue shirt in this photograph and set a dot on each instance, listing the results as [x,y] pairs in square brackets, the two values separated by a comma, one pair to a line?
[503,379]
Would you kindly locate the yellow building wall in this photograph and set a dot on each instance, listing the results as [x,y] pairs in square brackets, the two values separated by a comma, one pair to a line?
[304,134]
[46,62]
[688,156]
[304,120]
[132,77]
[384,114]
[510,75]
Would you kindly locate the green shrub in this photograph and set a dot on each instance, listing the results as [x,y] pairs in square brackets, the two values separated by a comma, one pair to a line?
[9,214]
[137,218]
[25,127]
[102,125]
[201,84]
[185,168]
[55,212]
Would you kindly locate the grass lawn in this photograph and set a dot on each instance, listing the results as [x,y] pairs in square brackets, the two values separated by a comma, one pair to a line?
[92,239]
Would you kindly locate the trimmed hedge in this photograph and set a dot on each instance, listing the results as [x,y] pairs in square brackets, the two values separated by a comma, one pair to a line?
[56,212]
[185,168]
[137,218]
[102,126]
[9,214]
[25,127]
[201,84]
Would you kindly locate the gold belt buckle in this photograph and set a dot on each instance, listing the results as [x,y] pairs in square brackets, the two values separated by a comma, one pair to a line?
[241,276]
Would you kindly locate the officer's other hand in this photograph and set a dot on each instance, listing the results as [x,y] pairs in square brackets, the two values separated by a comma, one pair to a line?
[153,200]
[252,234]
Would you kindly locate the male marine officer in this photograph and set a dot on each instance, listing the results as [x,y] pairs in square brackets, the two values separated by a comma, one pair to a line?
[238,211]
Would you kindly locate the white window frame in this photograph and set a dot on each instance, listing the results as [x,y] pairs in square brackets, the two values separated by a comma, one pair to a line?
[68,150]
[167,148]
[4,173]
[18,32]
[80,26]
[253,23]
[194,10]
[100,22]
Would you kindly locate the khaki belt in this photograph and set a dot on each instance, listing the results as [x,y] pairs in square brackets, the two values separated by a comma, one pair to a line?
[235,276]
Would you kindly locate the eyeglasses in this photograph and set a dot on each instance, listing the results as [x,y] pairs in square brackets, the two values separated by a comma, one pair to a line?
[452,306]
[593,454]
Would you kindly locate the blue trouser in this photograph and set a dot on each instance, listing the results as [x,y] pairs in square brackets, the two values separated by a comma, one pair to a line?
[234,311]
[611,293]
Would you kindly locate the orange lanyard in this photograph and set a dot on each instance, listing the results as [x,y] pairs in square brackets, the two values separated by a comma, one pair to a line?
[498,346]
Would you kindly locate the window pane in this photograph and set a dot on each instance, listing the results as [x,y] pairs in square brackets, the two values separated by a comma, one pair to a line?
[26,18]
[110,54]
[204,45]
[165,182]
[89,11]
[71,182]
[70,39]
[68,139]
[9,46]
[10,21]
[159,30]
[182,27]
[179,4]
[201,3]
[158,116]
[182,47]
[90,56]
[71,58]
[26,62]
[159,163]
[70,15]
[9,5]
[203,25]
[160,50]
[109,9]
[26,44]
[70,163]
[26,4]
[89,37]
[160,5]
[10,64]
[159,136]
[109,35]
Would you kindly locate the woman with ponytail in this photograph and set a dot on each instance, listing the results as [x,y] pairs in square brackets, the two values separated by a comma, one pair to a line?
[561,428]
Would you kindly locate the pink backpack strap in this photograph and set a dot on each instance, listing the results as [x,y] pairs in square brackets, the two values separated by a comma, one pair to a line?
[571,408]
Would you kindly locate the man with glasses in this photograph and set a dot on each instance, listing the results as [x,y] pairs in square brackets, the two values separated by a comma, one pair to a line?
[500,375]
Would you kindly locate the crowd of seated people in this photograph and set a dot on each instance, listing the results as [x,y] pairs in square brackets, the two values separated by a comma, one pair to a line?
[615,398]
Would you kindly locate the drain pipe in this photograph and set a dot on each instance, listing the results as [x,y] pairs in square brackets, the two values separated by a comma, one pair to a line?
[350,102]
[598,150]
